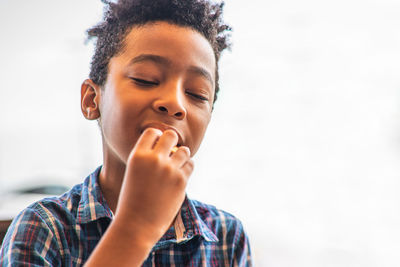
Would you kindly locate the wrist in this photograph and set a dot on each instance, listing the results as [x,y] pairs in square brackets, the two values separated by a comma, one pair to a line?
[135,232]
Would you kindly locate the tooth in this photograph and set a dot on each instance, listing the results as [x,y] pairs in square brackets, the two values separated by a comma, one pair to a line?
[174,149]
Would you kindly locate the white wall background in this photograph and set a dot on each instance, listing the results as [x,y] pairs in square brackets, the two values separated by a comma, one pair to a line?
[304,146]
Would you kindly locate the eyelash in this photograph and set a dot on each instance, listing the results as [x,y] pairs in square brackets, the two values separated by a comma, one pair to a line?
[149,83]
[200,97]
[144,82]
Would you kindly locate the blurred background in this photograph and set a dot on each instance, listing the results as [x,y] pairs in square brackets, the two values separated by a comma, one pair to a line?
[304,144]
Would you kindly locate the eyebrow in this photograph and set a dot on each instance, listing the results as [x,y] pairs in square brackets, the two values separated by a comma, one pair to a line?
[165,61]
[149,57]
[202,72]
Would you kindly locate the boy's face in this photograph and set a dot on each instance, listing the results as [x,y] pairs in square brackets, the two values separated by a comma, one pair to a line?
[164,78]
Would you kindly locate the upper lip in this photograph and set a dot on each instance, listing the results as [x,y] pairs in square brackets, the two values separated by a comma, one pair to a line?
[163,127]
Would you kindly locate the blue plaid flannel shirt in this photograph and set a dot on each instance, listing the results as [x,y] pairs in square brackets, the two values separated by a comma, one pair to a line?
[63,231]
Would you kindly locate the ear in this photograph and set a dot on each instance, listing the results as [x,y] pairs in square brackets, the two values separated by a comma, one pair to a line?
[90,100]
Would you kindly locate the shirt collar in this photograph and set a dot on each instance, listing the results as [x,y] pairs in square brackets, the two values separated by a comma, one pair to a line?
[93,206]
[194,224]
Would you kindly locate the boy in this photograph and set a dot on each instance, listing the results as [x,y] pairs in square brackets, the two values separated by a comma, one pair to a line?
[152,86]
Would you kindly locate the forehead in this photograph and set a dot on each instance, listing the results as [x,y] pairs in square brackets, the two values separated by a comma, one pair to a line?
[182,46]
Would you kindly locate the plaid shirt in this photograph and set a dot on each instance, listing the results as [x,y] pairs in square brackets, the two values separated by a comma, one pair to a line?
[63,231]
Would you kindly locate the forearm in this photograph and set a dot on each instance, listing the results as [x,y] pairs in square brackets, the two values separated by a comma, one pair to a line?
[151,195]
[122,245]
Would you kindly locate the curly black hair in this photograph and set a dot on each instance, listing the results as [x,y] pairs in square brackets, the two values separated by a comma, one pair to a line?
[119,17]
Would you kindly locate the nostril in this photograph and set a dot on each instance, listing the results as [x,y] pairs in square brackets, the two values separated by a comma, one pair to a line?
[162,108]
[177,113]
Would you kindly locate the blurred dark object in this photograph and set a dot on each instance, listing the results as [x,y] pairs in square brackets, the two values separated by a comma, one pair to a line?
[3,229]
[44,190]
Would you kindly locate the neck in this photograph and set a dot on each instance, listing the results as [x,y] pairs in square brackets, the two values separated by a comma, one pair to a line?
[110,180]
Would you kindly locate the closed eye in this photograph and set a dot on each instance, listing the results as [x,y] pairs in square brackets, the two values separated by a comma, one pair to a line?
[199,97]
[143,82]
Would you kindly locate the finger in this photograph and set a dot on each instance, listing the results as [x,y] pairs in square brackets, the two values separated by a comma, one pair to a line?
[181,155]
[148,138]
[167,141]
[187,168]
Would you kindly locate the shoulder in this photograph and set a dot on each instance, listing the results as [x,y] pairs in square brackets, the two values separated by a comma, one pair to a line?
[47,214]
[63,207]
[229,231]
[34,236]
[224,224]
[28,237]
[213,215]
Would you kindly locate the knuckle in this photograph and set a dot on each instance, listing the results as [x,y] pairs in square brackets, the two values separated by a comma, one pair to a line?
[180,181]
[190,164]
[138,155]
[168,171]
[156,159]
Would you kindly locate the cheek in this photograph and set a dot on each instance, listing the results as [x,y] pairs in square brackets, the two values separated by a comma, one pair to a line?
[115,116]
[109,111]
[198,130]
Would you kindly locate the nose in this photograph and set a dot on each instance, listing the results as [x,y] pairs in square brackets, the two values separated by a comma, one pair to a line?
[170,102]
